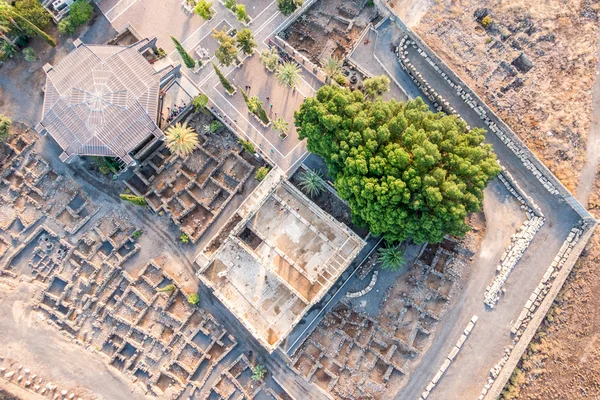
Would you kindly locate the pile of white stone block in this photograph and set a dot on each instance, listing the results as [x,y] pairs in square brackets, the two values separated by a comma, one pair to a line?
[518,244]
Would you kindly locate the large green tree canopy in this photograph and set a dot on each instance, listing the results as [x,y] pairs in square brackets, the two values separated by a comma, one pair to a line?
[405,171]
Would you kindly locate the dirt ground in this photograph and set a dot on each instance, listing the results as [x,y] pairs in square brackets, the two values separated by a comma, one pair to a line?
[545,95]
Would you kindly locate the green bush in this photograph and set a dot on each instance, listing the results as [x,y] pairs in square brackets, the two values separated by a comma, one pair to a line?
[5,123]
[341,80]
[169,288]
[247,145]
[193,299]
[241,14]
[289,6]
[261,173]
[486,21]
[184,238]
[215,126]
[137,200]
[200,101]
[80,12]
[65,27]
[29,54]
[230,4]
[259,372]
[136,234]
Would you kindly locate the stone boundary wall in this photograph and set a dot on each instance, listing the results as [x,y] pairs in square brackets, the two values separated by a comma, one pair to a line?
[451,356]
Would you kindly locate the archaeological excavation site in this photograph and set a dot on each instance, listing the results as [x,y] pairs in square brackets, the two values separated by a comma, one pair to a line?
[292,200]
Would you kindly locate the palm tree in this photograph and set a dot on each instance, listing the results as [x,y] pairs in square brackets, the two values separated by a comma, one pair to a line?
[392,258]
[311,182]
[8,14]
[181,140]
[289,74]
[332,66]
[281,126]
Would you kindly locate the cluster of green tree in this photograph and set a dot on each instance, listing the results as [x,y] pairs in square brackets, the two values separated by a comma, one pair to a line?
[227,51]
[80,12]
[19,22]
[405,171]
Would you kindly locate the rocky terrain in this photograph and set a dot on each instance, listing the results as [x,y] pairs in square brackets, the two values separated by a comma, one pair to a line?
[533,62]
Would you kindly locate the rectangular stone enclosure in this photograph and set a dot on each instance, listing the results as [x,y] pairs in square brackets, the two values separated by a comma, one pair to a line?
[278,261]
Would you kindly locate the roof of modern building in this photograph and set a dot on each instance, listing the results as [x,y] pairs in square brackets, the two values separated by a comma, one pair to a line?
[101,100]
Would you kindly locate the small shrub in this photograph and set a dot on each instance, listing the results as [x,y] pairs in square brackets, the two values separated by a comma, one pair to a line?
[5,123]
[168,288]
[391,257]
[486,21]
[289,6]
[65,27]
[311,182]
[193,299]
[137,200]
[370,3]
[215,126]
[29,54]
[230,4]
[184,238]
[241,14]
[259,372]
[80,12]
[261,173]
[200,101]
[136,234]
[247,145]
[341,80]
[270,58]
[203,9]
